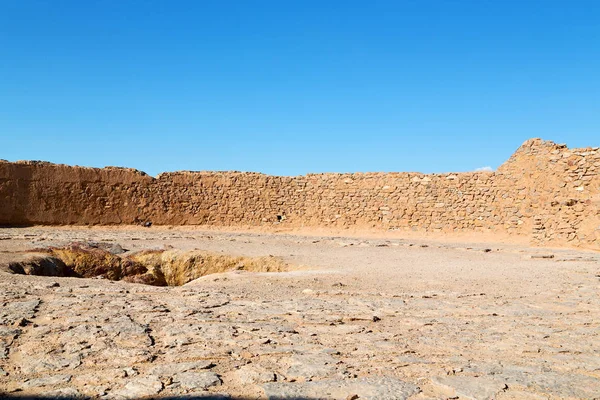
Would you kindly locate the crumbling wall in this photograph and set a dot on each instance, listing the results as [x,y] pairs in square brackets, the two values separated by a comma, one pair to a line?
[559,190]
[544,191]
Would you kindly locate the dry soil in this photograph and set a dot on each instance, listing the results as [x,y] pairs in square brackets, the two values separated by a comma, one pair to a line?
[352,318]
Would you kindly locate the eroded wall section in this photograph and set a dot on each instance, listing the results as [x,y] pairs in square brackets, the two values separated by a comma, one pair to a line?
[544,191]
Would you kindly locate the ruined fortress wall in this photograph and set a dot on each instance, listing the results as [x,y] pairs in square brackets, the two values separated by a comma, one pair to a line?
[544,191]
[559,188]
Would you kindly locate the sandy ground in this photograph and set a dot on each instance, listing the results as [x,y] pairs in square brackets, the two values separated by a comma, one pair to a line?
[355,318]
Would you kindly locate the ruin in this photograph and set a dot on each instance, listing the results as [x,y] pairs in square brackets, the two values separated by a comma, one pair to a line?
[545,192]
[400,286]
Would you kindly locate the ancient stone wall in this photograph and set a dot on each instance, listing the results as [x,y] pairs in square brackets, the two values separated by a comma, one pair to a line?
[558,189]
[544,191]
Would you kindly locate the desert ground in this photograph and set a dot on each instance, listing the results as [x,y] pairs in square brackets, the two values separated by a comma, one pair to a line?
[349,318]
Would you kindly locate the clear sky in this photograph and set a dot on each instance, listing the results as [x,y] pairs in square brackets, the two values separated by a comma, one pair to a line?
[290,87]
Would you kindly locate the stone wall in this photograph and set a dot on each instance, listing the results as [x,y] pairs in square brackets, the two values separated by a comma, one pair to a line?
[558,189]
[544,191]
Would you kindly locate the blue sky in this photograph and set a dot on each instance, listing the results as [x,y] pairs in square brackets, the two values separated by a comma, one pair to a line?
[290,87]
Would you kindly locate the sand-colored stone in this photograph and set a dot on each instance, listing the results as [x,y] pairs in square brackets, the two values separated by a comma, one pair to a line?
[433,293]
[545,192]
[378,318]
[150,267]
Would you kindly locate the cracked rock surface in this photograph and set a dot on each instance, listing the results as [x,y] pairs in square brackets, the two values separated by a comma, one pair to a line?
[354,318]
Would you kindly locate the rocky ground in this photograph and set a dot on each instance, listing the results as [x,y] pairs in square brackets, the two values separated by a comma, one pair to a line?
[352,319]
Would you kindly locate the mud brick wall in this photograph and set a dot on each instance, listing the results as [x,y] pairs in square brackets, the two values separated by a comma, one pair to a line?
[544,191]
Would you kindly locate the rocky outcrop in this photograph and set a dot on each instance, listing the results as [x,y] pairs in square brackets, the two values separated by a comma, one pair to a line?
[545,191]
[150,267]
